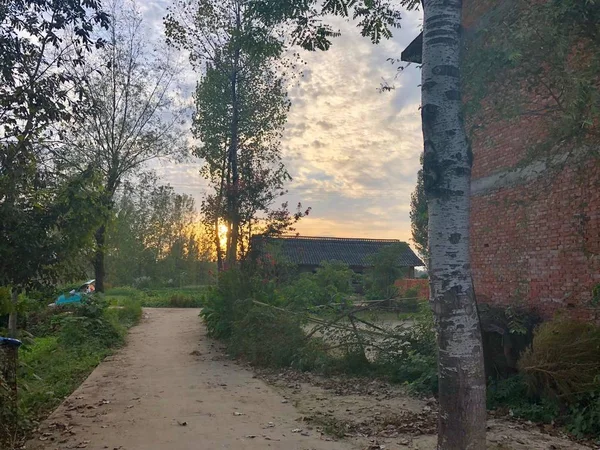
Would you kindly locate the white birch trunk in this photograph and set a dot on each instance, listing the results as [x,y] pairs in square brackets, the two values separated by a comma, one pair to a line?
[447,177]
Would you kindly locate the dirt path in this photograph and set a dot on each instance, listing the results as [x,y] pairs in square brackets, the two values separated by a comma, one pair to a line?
[172,388]
[169,388]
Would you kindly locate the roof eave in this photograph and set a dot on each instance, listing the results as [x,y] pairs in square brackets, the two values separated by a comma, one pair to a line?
[414,52]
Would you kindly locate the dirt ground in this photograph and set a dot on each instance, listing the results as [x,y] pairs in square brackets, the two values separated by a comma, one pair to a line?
[172,388]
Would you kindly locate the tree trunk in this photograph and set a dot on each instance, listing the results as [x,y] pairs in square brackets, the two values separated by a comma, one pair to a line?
[233,154]
[99,268]
[218,247]
[447,178]
[12,318]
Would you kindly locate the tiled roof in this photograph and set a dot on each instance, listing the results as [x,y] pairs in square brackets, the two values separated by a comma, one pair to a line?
[309,250]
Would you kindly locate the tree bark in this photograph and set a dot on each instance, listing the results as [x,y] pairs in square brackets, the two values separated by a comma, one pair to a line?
[99,269]
[447,178]
[12,318]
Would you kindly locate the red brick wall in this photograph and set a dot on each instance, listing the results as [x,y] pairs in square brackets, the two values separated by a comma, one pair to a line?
[422,286]
[536,241]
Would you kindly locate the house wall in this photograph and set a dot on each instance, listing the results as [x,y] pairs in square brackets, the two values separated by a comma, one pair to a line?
[535,222]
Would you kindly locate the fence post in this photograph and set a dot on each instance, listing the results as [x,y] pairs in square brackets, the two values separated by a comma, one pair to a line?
[9,349]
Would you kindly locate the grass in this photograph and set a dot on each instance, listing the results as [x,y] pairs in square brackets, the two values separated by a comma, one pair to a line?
[50,371]
[69,344]
[183,297]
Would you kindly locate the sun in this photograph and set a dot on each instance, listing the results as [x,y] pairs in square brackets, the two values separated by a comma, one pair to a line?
[223,234]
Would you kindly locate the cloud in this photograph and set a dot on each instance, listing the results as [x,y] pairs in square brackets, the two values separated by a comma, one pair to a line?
[353,152]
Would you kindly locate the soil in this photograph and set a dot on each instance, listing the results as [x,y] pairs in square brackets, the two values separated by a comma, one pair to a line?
[173,388]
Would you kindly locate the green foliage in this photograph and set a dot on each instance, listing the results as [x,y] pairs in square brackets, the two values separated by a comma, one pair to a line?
[331,283]
[153,240]
[44,219]
[185,297]
[419,217]
[267,337]
[512,53]
[511,394]
[221,305]
[69,341]
[558,381]
[334,277]
[583,418]
[596,295]
[380,278]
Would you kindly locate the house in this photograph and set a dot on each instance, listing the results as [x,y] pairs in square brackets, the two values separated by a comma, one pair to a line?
[308,252]
[535,199]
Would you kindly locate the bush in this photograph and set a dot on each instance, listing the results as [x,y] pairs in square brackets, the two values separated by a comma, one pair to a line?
[219,312]
[564,360]
[584,415]
[331,283]
[410,355]
[381,277]
[127,312]
[512,395]
[267,337]
[305,292]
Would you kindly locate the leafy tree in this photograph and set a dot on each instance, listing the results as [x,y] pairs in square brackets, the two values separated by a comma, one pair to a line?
[154,235]
[236,44]
[385,271]
[134,118]
[419,218]
[40,42]
[447,178]
[262,108]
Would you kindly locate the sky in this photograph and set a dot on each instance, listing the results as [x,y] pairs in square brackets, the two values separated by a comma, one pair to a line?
[352,151]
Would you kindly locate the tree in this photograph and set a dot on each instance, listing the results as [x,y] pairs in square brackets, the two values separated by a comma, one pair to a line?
[154,236]
[385,271]
[40,42]
[419,217]
[133,119]
[241,108]
[263,106]
[241,42]
[447,177]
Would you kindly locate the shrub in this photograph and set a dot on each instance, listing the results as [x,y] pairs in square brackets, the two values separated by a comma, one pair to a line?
[267,337]
[410,355]
[564,360]
[384,272]
[219,312]
[331,283]
[335,277]
[512,394]
[584,415]
[184,301]
[305,292]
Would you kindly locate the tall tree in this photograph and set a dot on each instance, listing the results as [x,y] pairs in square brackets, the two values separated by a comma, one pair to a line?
[447,179]
[263,106]
[232,48]
[134,116]
[40,42]
[232,37]
[419,218]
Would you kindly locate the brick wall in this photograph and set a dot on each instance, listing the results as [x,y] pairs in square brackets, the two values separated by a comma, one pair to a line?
[535,225]
[421,285]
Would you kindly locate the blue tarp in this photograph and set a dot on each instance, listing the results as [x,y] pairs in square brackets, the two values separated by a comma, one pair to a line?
[9,342]
[71,298]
